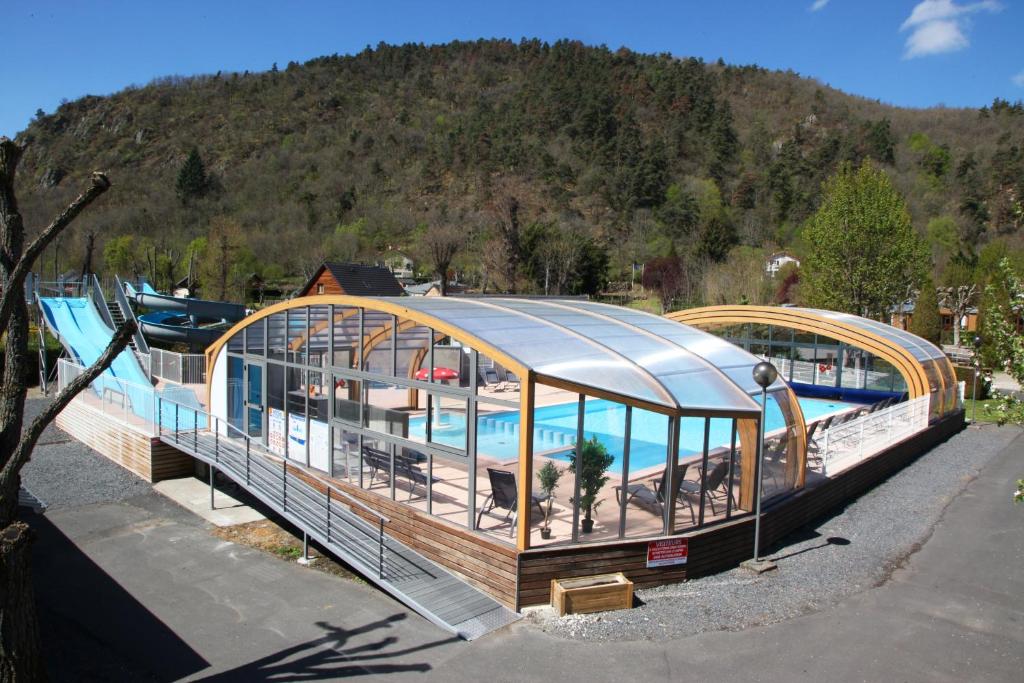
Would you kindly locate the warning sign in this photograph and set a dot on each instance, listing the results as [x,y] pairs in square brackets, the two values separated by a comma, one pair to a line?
[666,552]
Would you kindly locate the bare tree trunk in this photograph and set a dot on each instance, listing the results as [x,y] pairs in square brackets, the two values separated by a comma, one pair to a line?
[90,244]
[20,656]
[20,649]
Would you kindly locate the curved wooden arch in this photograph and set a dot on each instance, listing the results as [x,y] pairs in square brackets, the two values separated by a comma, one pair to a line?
[912,370]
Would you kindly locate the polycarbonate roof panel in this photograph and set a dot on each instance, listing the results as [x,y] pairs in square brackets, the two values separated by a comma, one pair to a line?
[920,349]
[591,348]
[733,361]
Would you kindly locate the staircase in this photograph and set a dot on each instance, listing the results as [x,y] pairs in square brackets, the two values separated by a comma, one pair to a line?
[117,315]
[351,531]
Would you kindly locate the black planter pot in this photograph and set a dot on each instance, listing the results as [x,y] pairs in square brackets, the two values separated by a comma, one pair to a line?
[587,525]
[545,534]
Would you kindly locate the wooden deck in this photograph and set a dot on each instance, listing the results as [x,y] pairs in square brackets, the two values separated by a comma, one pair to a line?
[129,446]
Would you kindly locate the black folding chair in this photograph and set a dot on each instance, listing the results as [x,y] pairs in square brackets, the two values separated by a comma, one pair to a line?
[505,496]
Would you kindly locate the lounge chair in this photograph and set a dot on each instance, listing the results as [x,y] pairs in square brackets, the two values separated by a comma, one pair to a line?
[513,381]
[491,380]
[716,487]
[504,495]
[657,496]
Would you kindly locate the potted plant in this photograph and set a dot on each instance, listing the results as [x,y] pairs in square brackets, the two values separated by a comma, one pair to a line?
[594,462]
[548,475]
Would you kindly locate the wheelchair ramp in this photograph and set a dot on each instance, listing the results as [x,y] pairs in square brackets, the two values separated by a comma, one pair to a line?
[346,527]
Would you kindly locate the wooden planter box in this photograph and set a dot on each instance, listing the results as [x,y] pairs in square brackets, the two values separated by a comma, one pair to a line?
[591,594]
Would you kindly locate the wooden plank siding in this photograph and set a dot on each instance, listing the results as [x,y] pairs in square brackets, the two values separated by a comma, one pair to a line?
[724,545]
[133,450]
[484,563]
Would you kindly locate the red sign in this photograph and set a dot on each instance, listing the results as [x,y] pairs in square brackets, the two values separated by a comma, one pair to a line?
[666,552]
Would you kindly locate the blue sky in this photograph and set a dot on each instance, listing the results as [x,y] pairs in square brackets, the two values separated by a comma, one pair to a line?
[912,53]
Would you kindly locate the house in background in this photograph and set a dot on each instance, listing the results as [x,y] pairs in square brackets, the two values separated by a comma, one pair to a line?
[353,279]
[400,265]
[904,313]
[777,260]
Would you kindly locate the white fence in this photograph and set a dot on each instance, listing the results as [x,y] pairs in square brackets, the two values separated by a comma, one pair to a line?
[846,444]
[821,374]
[181,368]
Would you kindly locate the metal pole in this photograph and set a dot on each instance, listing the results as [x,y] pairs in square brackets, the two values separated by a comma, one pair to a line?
[757,477]
[974,395]
[580,414]
[328,489]
[212,471]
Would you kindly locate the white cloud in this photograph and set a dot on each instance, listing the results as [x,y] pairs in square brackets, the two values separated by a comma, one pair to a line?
[938,26]
[1018,80]
[818,4]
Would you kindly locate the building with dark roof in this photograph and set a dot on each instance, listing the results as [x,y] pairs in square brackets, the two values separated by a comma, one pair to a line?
[352,279]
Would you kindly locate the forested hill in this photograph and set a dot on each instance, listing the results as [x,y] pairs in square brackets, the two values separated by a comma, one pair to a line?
[624,155]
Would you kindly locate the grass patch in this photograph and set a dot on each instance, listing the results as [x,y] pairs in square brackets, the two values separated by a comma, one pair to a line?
[986,412]
[288,552]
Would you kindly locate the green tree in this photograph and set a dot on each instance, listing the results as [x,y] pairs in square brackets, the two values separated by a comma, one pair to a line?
[119,255]
[193,182]
[1003,306]
[863,252]
[926,321]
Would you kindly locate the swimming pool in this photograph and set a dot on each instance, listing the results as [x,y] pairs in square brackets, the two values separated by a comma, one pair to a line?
[555,430]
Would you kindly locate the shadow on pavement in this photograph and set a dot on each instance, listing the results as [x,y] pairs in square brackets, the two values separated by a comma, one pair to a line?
[92,628]
[328,657]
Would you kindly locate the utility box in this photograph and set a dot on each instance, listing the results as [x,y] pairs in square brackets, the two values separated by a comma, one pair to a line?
[588,594]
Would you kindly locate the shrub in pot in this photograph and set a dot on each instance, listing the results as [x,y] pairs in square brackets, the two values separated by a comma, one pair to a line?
[593,460]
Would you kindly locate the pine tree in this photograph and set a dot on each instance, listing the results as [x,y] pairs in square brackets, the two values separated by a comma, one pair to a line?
[192,180]
[926,321]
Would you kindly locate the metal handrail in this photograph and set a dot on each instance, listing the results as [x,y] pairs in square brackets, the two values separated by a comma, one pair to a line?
[129,314]
[96,294]
[214,423]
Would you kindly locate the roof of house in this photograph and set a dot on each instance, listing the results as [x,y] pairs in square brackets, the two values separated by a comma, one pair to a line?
[358,280]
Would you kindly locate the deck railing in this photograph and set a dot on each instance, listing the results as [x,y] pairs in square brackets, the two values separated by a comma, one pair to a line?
[130,404]
[181,368]
[846,444]
[807,372]
[330,516]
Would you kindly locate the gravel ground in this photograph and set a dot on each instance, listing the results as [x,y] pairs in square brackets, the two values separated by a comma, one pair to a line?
[882,528]
[64,472]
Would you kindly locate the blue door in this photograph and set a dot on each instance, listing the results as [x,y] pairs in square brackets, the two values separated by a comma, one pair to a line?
[254,400]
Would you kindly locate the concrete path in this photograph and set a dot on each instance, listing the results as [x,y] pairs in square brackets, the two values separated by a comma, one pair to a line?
[139,590]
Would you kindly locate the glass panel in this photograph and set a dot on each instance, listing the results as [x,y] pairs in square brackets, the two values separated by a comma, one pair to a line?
[297,335]
[318,336]
[347,396]
[346,336]
[648,457]
[497,436]
[448,421]
[449,489]
[235,343]
[296,427]
[277,337]
[254,399]
[254,338]
[346,455]
[276,433]
[386,410]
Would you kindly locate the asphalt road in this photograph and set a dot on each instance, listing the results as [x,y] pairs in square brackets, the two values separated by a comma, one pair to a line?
[138,589]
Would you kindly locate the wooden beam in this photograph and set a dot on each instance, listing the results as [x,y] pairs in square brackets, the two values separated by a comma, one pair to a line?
[527,395]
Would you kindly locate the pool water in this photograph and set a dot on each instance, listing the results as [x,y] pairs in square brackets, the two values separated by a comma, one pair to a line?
[555,430]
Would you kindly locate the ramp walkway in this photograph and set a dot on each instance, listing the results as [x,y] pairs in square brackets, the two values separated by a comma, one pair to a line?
[349,529]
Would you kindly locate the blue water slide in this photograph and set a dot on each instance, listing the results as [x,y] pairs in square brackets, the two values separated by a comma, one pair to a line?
[85,335]
[174,319]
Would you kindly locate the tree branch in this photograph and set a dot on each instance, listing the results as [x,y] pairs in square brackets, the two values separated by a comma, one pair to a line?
[31,435]
[16,281]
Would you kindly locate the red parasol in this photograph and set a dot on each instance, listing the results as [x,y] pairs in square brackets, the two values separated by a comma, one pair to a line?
[439,373]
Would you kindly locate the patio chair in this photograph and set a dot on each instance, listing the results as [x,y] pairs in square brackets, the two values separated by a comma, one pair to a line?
[491,380]
[513,380]
[773,458]
[644,491]
[504,495]
[717,487]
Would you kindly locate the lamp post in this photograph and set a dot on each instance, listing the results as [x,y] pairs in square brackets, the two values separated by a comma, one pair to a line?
[974,390]
[765,375]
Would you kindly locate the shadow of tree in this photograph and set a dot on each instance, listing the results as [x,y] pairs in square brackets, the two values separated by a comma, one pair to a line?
[330,657]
